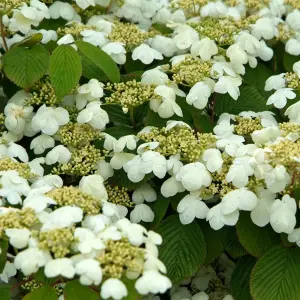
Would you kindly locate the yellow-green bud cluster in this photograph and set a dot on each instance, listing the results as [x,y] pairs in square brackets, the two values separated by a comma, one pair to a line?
[30,285]
[78,135]
[284,32]
[83,162]
[118,195]
[256,4]
[58,241]
[292,80]
[120,256]
[128,33]
[289,127]
[73,196]
[2,119]
[130,94]
[180,140]
[191,7]
[73,113]
[293,3]
[74,29]
[25,218]
[7,6]
[245,126]
[191,70]
[23,169]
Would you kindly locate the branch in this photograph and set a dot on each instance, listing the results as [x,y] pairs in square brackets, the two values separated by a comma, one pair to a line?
[2,30]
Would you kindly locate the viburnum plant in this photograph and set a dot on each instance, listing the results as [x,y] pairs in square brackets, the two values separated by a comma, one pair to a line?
[150,149]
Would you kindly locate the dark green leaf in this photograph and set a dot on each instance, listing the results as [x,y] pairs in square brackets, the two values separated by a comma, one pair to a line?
[65,69]
[91,71]
[289,60]
[256,240]
[76,291]
[159,207]
[183,250]
[231,242]
[5,291]
[3,247]
[213,241]
[119,131]
[203,123]
[100,59]
[276,275]
[116,115]
[132,292]
[45,293]
[25,66]
[240,278]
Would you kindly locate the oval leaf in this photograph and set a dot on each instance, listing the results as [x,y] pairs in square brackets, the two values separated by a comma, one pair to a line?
[45,293]
[276,275]
[183,250]
[76,291]
[256,240]
[65,69]
[25,66]
[100,59]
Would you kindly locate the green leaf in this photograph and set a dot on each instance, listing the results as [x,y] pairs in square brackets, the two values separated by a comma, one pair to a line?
[5,291]
[45,293]
[91,71]
[119,131]
[250,99]
[203,123]
[231,243]
[276,275]
[132,292]
[100,59]
[3,247]
[116,115]
[159,207]
[29,41]
[65,69]
[256,240]
[162,28]
[25,66]
[213,241]
[120,179]
[289,60]
[240,278]
[76,291]
[183,250]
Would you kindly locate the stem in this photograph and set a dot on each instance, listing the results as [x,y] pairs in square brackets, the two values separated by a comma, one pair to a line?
[2,30]
[131,111]
[109,6]
[213,108]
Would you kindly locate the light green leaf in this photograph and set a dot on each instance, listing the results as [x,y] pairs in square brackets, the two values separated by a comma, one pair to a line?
[240,278]
[45,293]
[76,291]
[256,240]
[3,247]
[231,242]
[25,66]
[91,71]
[29,41]
[65,69]
[183,250]
[213,240]
[100,59]
[276,275]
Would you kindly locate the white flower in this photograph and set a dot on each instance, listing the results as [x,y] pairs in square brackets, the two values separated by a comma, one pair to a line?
[279,98]
[113,288]
[171,187]
[90,91]
[213,160]
[282,215]
[60,267]
[8,272]
[51,181]
[86,241]
[163,45]
[94,115]
[277,179]
[292,19]
[42,142]
[94,186]
[104,169]
[228,84]
[30,260]
[94,37]
[185,37]
[60,9]
[265,135]
[116,51]
[114,210]
[275,82]
[237,54]
[264,28]
[205,48]
[120,159]
[67,39]
[292,47]
[198,95]
[296,67]
[152,282]
[96,223]
[191,207]
[48,119]
[214,9]
[18,238]
[248,42]
[59,154]
[141,212]
[155,76]
[15,150]
[193,176]
[293,112]
[48,35]
[165,102]
[90,272]
[294,237]
[84,4]
[146,54]
[37,201]
[134,232]
[145,192]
